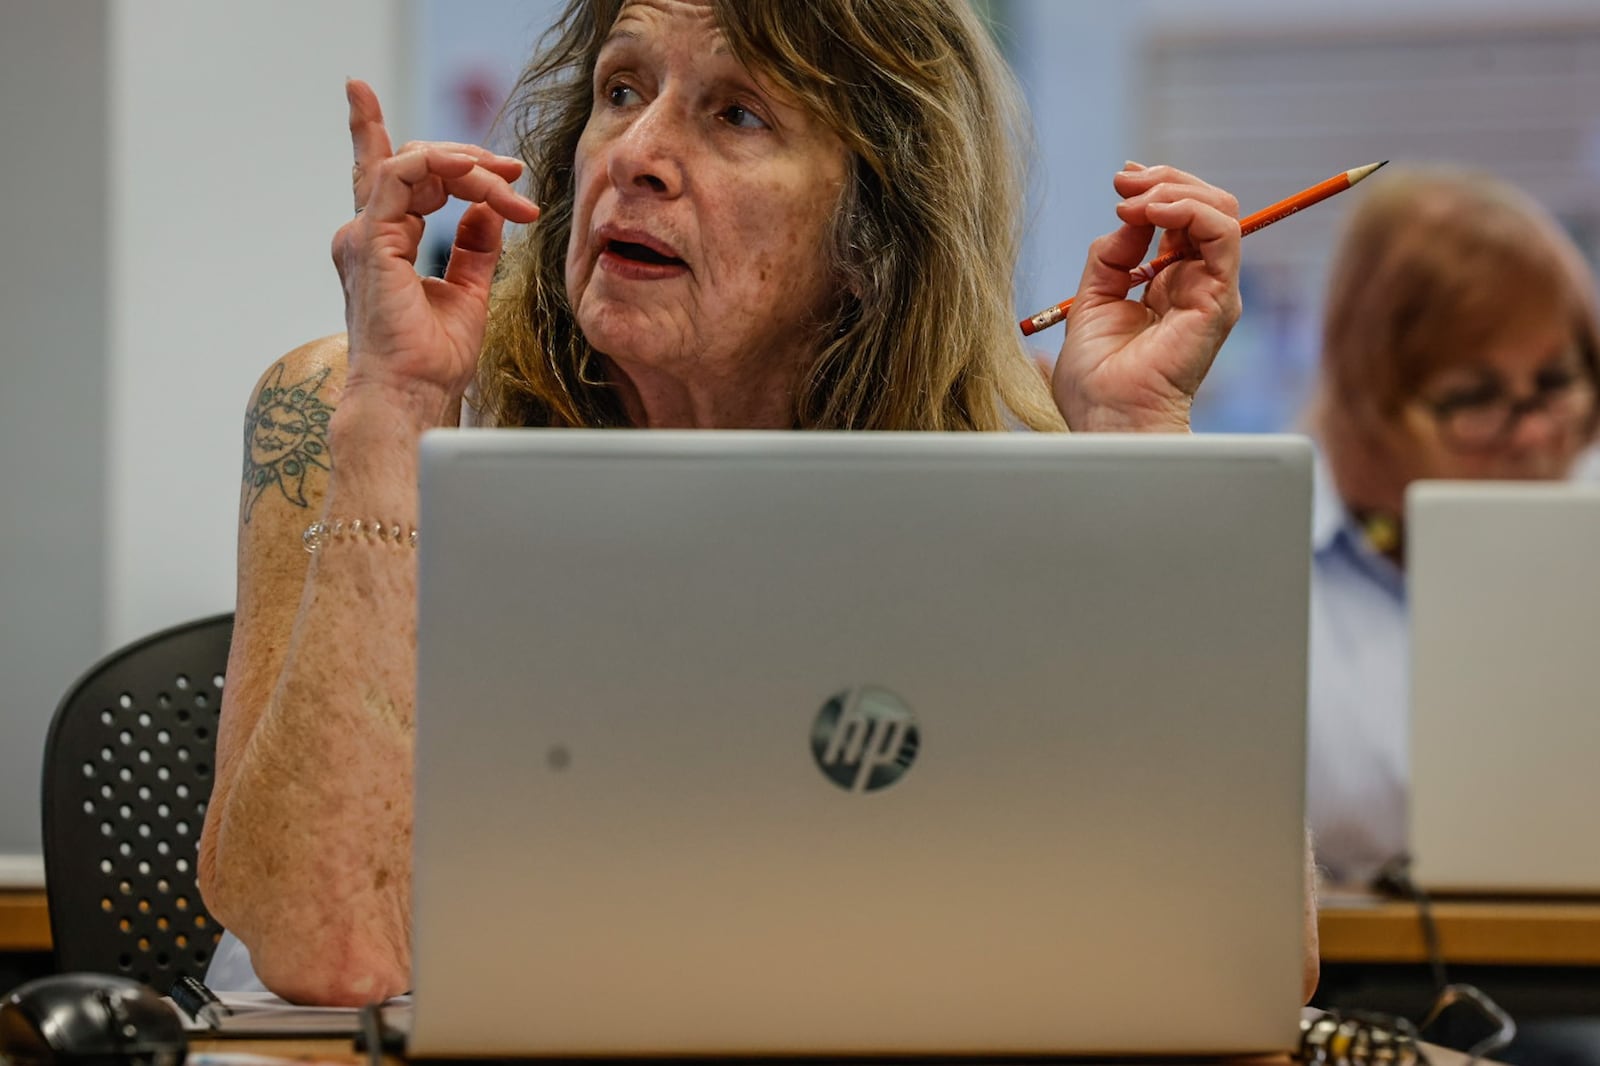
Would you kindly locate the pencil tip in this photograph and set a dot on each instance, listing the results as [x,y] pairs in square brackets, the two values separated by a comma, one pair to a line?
[1363,172]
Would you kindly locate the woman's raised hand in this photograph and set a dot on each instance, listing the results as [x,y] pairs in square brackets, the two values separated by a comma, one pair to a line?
[415,340]
[1136,363]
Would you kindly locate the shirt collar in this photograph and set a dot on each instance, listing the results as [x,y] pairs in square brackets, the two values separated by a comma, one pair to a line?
[1336,532]
[1328,512]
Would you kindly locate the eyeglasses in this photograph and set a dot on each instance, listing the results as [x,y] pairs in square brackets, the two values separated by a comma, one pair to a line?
[1480,418]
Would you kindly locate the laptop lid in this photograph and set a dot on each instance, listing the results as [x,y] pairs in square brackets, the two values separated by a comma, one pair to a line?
[1505,619]
[859,743]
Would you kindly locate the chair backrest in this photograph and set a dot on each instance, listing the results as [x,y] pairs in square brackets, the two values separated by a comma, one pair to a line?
[127,773]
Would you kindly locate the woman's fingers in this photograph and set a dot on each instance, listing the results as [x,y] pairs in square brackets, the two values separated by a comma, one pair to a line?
[1106,277]
[368,138]
[508,167]
[1194,217]
[1135,210]
[1205,229]
[1152,192]
[402,187]
[408,178]
[476,251]
[1136,184]
[406,331]
[431,184]
[431,195]
[1136,363]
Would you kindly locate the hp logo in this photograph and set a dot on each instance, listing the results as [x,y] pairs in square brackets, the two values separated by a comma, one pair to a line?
[864,739]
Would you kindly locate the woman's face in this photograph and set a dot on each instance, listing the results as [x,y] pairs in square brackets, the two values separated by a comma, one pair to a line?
[1519,409]
[703,204]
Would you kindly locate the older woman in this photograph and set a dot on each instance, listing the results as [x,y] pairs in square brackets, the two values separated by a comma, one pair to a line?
[754,214]
[1460,342]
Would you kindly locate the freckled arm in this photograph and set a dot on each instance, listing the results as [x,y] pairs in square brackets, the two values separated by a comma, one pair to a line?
[306,850]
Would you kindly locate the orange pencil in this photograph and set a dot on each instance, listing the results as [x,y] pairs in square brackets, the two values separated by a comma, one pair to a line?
[1260,220]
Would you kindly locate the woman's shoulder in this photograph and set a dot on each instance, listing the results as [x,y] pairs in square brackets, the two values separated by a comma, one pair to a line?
[316,368]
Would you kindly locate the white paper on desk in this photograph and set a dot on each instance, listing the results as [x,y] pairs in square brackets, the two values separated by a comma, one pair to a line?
[264,1014]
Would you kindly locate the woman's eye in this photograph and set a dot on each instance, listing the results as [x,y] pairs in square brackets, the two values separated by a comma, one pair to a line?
[1467,399]
[620,95]
[1557,379]
[742,117]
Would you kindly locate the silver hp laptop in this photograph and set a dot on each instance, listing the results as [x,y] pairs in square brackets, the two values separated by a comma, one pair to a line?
[859,743]
[1505,686]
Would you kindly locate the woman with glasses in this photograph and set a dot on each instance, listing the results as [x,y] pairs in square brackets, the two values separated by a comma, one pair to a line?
[1460,341]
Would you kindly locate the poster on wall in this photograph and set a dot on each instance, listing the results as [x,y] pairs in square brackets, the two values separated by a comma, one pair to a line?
[469,57]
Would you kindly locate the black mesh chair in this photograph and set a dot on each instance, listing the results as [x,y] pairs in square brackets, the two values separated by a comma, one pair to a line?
[127,773]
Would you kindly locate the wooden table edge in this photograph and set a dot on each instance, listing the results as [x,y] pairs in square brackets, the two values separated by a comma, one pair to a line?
[1507,932]
[24,920]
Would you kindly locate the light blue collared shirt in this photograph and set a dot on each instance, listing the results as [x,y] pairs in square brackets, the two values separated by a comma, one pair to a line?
[1358,745]
[1360,691]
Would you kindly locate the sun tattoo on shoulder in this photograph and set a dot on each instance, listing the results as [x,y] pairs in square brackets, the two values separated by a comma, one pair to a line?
[285,438]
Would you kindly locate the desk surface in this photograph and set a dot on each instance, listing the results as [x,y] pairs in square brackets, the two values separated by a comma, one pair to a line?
[1543,932]
[24,920]
[1520,932]
[305,1052]
[299,1049]
[1510,932]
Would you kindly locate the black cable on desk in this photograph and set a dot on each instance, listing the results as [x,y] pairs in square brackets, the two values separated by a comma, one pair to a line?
[1395,878]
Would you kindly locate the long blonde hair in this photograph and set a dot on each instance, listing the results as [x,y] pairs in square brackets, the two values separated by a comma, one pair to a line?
[923,244]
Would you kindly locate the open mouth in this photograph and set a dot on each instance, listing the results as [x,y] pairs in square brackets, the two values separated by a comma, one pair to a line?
[640,253]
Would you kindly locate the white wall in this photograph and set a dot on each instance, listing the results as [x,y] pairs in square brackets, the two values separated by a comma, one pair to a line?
[231,165]
[52,378]
[173,174]
[1074,60]
[1348,16]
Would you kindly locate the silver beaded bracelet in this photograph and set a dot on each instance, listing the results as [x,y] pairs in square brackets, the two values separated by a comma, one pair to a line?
[370,531]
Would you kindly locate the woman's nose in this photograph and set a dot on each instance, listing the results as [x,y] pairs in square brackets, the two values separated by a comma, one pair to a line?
[1537,428]
[648,159]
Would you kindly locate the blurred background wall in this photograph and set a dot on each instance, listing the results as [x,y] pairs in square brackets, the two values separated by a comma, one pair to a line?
[174,170]
[172,173]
